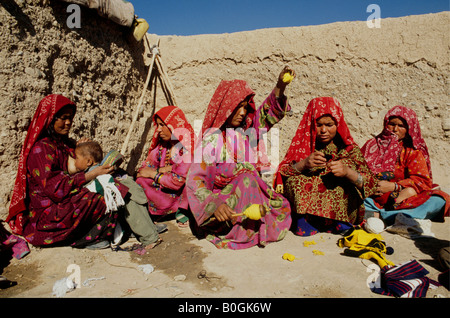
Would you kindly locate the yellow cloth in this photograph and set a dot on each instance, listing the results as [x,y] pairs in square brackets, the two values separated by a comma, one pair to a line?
[365,245]
[288,257]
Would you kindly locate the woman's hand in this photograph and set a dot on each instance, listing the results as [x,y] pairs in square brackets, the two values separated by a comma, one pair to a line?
[146,172]
[280,87]
[338,168]
[165,169]
[384,187]
[98,171]
[315,159]
[83,139]
[223,213]
[285,70]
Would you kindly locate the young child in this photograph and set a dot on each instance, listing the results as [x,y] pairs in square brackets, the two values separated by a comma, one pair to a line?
[87,155]
[90,154]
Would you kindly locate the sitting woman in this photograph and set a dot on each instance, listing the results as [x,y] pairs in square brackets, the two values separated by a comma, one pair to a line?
[226,181]
[399,158]
[163,173]
[324,174]
[48,206]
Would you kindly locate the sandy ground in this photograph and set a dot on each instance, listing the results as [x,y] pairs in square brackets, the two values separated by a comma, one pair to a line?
[186,267]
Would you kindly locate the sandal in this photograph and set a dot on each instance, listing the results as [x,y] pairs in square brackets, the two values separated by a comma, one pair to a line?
[183,225]
[142,249]
[182,220]
[138,248]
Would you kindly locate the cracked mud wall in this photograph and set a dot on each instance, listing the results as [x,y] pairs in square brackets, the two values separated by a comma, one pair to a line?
[369,71]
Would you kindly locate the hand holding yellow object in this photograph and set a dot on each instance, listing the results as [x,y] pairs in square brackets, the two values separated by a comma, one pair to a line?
[287,77]
[253,212]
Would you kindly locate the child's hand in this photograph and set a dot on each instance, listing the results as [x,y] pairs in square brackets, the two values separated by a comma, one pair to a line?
[98,171]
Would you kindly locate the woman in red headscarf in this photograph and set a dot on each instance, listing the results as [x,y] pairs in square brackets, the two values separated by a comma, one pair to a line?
[163,173]
[48,205]
[224,180]
[399,158]
[324,174]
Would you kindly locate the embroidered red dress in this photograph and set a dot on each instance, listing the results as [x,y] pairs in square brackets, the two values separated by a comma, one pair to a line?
[317,192]
[49,206]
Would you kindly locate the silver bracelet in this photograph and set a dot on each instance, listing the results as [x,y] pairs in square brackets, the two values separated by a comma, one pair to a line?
[359,181]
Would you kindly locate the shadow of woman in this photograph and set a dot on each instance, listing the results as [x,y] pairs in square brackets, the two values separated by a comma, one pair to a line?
[431,246]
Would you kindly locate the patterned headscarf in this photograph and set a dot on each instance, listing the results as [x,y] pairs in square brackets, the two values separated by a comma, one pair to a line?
[381,152]
[304,141]
[174,118]
[43,117]
[228,95]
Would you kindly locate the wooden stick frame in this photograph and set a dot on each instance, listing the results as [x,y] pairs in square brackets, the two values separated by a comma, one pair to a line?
[165,85]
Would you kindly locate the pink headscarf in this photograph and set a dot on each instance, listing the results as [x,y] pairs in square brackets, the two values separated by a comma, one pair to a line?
[226,98]
[381,152]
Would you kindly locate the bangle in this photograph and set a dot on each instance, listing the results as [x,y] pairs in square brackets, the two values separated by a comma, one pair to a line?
[359,180]
[159,178]
[293,163]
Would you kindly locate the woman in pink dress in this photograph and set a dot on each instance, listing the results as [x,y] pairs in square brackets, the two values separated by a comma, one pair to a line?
[163,173]
[226,179]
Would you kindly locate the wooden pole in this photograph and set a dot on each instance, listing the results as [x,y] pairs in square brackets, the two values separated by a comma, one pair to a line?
[165,79]
[138,109]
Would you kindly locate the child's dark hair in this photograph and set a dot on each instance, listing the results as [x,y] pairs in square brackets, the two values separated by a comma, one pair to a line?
[93,149]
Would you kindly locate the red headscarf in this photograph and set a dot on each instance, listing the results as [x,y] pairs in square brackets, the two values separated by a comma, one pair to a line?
[381,152]
[304,141]
[43,116]
[228,95]
[176,121]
